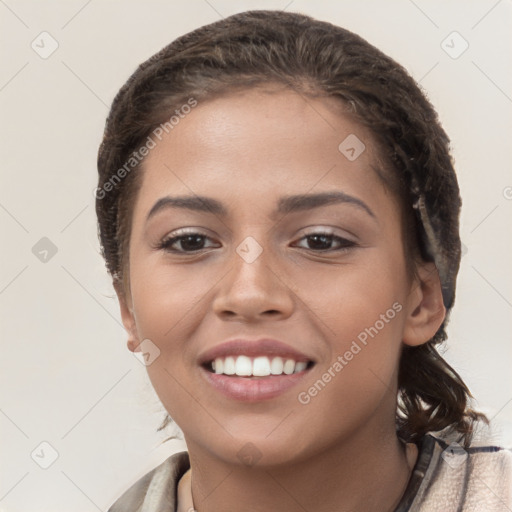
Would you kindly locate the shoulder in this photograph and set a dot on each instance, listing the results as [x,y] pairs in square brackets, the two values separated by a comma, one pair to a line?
[476,478]
[156,490]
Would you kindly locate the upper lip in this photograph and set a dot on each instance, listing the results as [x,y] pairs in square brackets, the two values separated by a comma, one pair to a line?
[253,348]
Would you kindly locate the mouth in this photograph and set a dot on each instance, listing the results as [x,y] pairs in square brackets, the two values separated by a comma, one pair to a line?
[254,370]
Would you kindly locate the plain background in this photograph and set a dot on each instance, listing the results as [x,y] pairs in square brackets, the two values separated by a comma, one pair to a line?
[67,377]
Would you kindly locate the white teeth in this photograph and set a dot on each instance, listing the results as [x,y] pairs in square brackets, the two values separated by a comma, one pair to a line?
[261,366]
[276,367]
[289,366]
[243,366]
[229,365]
[299,367]
[219,365]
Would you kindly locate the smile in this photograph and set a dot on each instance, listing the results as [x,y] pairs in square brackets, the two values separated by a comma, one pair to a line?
[245,366]
[254,370]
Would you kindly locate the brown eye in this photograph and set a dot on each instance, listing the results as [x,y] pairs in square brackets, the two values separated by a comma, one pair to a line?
[322,241]
[186,243]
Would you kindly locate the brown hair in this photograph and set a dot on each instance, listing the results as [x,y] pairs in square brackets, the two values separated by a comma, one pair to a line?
[314,58]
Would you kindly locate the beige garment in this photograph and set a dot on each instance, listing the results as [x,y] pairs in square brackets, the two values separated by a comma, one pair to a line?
[185,502]
[445,479]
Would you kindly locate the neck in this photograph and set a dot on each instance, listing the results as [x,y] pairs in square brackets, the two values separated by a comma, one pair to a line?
[366,472]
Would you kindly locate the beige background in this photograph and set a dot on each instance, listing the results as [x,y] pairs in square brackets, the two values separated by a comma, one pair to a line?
[67,377]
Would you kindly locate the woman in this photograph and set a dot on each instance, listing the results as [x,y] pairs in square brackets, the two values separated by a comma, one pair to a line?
[279,212]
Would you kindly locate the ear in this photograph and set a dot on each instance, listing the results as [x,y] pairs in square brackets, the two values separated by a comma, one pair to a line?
[425,307]
[128,318]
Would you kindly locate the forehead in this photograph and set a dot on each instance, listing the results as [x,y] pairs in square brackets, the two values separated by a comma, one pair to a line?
[250,146]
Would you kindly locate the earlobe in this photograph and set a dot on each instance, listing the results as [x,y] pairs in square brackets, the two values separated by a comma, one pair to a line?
[425,309]
[128,320]
[133,346]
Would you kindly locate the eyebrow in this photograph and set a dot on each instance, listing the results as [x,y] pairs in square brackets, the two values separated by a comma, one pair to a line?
[285,205]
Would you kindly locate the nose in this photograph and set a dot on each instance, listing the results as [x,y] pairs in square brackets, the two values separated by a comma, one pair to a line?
[254,288]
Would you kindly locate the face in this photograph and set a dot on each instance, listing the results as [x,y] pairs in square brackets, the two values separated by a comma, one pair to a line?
[326,279]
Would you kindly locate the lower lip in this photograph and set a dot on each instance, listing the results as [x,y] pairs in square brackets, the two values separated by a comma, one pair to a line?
[249,389]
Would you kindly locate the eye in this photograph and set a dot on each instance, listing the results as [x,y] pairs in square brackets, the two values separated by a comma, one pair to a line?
[321,240]
[190,242]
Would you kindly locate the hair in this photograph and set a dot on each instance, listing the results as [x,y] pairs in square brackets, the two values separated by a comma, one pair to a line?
[315,59]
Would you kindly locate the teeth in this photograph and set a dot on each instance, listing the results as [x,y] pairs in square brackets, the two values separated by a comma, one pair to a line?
[219,366]
[299,367]
[229,366]
[289,366]
[276,367]
[261,367]
[244,366]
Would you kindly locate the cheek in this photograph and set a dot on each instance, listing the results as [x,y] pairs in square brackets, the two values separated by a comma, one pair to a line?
[358,377]
[365,341]
[351,298]
[361,308]
[165,296]
[169,305]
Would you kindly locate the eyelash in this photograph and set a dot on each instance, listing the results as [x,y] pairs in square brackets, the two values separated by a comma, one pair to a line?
[167,243]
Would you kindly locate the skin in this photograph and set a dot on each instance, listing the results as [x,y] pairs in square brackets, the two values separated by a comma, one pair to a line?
[340,451]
